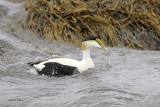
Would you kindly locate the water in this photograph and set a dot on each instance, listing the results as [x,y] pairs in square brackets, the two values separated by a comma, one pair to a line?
[121,77]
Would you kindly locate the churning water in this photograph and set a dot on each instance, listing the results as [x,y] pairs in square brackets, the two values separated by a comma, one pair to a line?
[121,77]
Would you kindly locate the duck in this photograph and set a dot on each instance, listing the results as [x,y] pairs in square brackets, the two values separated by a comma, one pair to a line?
[67,66]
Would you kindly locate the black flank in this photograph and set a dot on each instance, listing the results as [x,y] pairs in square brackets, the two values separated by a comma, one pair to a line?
[56,69]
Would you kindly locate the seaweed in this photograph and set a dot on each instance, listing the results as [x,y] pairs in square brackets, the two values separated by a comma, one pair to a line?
[129,23]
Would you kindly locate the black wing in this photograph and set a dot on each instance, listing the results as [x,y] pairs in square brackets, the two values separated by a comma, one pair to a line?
[57,69]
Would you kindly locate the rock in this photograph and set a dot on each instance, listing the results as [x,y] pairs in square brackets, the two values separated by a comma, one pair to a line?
[3,11]
[4,44]
[1,50]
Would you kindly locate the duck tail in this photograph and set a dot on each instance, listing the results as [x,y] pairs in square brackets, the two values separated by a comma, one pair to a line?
[33,63]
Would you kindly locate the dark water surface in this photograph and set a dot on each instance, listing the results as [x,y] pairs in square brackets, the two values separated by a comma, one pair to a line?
[121,77]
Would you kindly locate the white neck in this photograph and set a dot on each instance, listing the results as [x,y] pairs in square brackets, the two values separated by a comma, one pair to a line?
[86,61]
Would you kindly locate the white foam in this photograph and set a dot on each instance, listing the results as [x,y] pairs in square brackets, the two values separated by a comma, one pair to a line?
[32,71]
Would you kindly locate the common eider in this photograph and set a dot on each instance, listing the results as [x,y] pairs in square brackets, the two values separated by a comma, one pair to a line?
[66,66]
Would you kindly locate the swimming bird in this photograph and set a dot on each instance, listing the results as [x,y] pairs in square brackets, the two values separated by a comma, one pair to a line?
[66,66]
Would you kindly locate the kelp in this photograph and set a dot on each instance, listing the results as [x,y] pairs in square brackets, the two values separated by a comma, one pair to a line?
[129,23]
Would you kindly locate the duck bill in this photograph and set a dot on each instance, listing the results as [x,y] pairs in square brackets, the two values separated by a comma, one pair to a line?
[101,44]
[106,49]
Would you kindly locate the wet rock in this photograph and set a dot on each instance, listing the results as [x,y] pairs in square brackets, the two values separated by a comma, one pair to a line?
[16,1]
[1,51]
[3,11]
[5,45]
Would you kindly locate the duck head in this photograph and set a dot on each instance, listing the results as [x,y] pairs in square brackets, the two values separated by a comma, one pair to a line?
[92,42]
